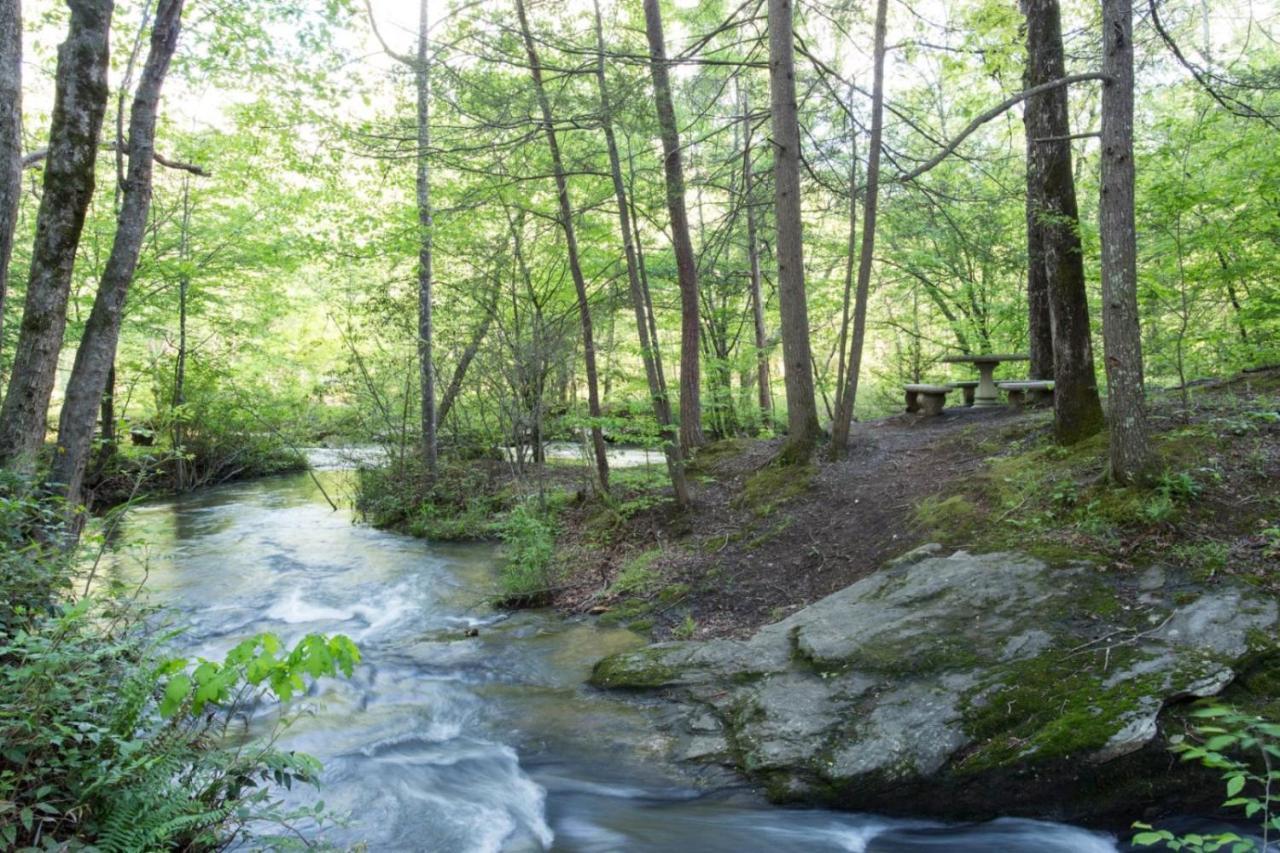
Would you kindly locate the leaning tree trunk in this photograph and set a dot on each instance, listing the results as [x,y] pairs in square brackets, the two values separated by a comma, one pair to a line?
[80,100]
[97,351]
[686,266]
[671,444]
[1121,330]
[571,247]
[10,138]
[802,407]
[426,370]
[844,414]
[1055,258]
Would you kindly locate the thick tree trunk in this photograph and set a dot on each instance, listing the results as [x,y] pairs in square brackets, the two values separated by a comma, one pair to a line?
[844,414]
[571,247]
[802,409]
[1039,315]
[686,266]
[426,370]
[1121,330]
[763,391]
[10,137]
[639,300]
[80,100]
[1055,271]
[97,352]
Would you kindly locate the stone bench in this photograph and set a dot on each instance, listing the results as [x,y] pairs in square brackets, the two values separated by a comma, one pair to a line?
[928,400]
[1028,391]
[969,387]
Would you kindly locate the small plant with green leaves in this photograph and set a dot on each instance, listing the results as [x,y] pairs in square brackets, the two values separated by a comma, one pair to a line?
[1246,749]
[529,536]
[686,629]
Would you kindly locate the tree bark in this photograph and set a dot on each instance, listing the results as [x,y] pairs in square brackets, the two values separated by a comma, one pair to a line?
[1121,331]
[802,409]
[97,351]
[671,444]
[80,101]
[10,138]
[763,391]
[571,247]
[1055,271]
[426,370]
[454,388]
[686,267]
[844,412]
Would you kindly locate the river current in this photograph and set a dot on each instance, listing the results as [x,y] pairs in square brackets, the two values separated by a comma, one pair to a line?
[448,742]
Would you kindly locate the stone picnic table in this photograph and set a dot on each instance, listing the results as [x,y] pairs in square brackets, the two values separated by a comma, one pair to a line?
[987,394]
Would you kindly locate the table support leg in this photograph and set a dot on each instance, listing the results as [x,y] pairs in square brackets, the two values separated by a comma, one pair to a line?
[987,394]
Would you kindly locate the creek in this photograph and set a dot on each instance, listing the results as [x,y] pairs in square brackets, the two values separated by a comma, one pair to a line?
[443,741]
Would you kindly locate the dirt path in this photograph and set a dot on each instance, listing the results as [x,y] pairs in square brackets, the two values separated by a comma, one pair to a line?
[762,541]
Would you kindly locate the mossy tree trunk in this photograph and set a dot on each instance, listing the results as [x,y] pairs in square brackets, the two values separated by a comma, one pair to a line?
[96,354]
[1055,269]
[80,102]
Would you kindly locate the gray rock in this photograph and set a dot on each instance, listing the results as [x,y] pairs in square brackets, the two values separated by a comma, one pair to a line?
[943,675]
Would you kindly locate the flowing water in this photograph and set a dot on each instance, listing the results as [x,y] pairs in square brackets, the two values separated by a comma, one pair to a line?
[453,743]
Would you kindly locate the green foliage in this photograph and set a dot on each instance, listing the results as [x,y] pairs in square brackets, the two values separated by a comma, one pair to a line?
[528,536]
[106,741]
[1244,748]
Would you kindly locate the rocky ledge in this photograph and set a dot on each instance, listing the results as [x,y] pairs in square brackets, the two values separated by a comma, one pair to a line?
[968,686]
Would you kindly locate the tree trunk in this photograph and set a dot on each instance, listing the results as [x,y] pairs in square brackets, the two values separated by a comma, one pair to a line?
[107,413]
[10,138]
[1039,316]
[850,262]
[454,388]
[426,370]
[571,247]
[802,409]
[80,101]
[180,363]
[1055,271]
[97,352]
[686,266]
[639,301]
[765,394]
[1121,331]
[844,413]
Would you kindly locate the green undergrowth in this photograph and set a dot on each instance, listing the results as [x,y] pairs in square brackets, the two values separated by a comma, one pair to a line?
[107,740]
[772,486]
[1059,504]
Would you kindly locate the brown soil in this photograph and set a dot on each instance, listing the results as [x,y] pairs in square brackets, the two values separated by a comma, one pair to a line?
[737,563]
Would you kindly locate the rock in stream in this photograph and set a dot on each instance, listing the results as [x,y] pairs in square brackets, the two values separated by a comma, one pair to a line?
[965,686]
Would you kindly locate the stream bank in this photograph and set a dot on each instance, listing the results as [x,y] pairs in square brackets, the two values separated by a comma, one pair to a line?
[443,741]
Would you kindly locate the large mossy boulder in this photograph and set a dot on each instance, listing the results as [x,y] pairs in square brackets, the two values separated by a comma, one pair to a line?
[968,686]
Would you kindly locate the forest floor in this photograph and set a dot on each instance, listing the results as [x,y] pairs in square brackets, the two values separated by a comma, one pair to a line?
[763,541]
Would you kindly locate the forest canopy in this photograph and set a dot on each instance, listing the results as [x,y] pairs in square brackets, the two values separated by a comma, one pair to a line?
[509,221]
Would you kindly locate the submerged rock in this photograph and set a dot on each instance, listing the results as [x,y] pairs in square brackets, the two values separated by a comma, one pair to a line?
[964,686]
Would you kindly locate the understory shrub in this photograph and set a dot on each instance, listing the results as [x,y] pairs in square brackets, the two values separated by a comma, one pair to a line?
[528,533]
[1246,750]
[108,742]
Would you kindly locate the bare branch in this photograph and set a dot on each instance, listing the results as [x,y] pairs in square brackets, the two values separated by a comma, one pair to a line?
[992,113]
[38,156]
